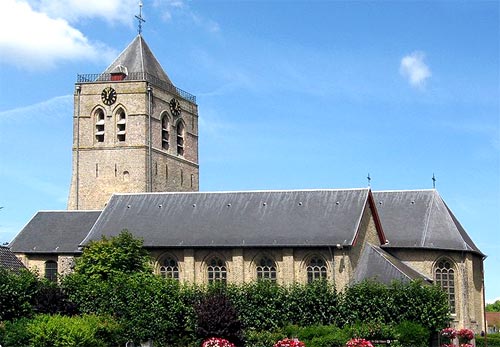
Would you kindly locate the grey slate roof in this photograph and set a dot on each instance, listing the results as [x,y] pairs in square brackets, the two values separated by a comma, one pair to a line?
[225,219]
[137,57]
[8,260]
[420,219]
[54,232]
[377,264]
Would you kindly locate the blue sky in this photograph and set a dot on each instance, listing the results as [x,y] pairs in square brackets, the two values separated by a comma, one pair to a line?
[291,94]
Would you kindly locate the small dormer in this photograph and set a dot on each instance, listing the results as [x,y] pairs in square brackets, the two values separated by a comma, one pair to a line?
[119,73]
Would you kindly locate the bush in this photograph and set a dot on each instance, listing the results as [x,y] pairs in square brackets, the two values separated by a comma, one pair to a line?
[263,338]
[410,334]
[61,331]
[16,293]
[493,340]
[218,317]
[319,335]
[371,331]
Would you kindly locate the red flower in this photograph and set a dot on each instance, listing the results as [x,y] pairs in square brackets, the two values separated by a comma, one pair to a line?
[449,333]
[217,342]
[358,343]
[466,334]
[286,342]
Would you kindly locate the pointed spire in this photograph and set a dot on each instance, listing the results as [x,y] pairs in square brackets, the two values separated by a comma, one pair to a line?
[137,58]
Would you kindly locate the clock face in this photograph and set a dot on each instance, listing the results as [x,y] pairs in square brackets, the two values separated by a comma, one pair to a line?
[175,107]
[108,96]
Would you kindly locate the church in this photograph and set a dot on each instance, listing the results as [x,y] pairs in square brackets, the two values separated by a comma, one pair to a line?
[135,167]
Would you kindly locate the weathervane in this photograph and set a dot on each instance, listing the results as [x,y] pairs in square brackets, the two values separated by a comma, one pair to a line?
[139,18]
[369,179]
[433,181]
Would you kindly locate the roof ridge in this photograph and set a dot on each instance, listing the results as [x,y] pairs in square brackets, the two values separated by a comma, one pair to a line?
[246,191]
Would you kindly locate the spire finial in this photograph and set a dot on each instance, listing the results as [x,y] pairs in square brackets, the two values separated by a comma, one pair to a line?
[369,179]
[140,19]
[433,181]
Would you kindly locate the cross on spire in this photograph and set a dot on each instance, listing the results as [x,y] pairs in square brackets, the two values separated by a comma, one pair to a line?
[139,18]
[433,181]
[369,179]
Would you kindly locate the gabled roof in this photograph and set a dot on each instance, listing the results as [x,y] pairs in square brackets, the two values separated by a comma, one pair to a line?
[377,264]
[138,58]
[8,260]
[242,219]
[54,232]
[420,219]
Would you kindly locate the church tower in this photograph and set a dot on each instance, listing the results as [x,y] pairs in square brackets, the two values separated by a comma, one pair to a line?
[133,132]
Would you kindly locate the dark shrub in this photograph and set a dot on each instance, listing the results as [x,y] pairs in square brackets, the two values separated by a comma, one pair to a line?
[217,317]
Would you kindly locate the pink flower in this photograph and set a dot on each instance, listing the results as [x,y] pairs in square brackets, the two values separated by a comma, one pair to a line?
[286,342]
[217,342]
[358,343]
[449,333]
[466,334]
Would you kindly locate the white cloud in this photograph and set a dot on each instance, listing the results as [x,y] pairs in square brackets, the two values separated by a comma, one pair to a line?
[55,108]
[113,11]
[32,40]
[414,69]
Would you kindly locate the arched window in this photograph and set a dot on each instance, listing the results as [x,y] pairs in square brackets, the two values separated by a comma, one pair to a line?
[170,268]
[121,125]
[99,126]
[180,139]
[445,278]
[164,133]
[51,270]
[316,269]
[266,269]
[216,271]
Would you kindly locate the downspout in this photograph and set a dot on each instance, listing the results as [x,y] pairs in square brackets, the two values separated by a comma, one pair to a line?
[484,305]
[150,159]
[78,92]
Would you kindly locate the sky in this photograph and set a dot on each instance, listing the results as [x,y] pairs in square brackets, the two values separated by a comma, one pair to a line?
[292,94]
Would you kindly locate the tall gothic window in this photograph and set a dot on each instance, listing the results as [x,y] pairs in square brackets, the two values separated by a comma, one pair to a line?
[216,270]
[445,278]
[180,139]
[164,133]
[266,269]
[99,126]
[316,269]
[170,268]
[121,125]
[51,270]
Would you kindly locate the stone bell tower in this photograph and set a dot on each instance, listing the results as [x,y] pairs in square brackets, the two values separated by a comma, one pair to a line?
[133,132]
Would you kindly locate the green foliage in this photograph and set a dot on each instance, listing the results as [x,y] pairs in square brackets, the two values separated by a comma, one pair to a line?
[423,304]
[494,307]
[62,331]
[51,299]
[410,334]
[146,306]
[262,338]
[367,301]
[16,293]
[371,330]
[493,340]
[261,305]
[319,335]
[107,257]
[217,317]
[317,302]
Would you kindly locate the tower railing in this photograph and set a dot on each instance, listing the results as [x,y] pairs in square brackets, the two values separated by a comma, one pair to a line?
[136,76]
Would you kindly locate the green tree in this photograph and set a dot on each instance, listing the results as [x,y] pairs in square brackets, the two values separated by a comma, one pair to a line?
[17,291]
[119,254]
[494,307]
